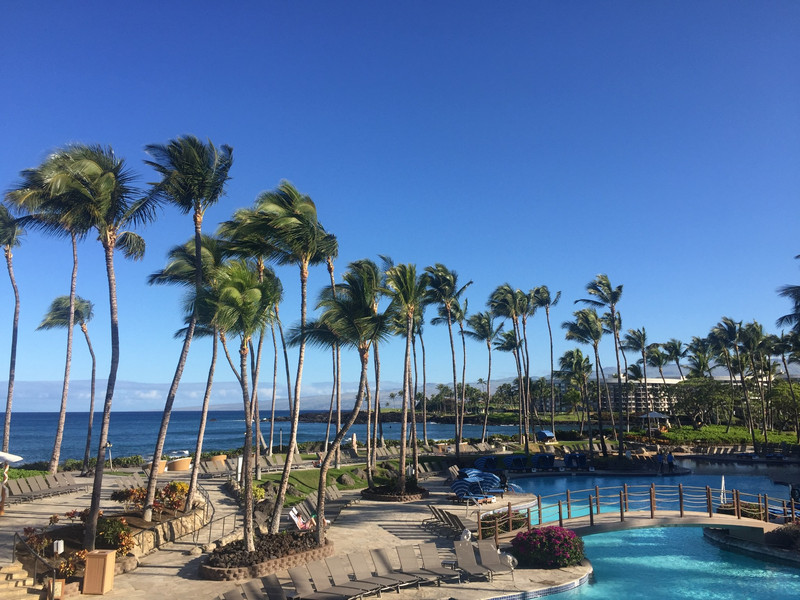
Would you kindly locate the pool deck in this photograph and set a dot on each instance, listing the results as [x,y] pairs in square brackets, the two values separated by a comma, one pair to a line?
[171,572]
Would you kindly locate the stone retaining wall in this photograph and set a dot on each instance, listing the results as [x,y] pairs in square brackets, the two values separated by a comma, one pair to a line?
[265,568]
[151,539]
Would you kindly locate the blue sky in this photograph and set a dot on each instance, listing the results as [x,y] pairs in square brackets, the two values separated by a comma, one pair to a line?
[522,142]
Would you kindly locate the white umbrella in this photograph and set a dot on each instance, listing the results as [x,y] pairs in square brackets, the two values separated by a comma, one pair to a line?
[722,499]
[10,458]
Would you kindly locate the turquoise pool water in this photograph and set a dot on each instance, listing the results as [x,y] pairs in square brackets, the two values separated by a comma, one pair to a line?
[676,563]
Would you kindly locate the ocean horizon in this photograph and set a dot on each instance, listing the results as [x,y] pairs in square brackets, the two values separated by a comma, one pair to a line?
[134,433]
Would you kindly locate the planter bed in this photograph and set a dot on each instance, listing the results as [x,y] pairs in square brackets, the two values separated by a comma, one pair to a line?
[267,567]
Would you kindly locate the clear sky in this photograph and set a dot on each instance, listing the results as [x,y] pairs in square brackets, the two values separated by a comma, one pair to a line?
[522,142]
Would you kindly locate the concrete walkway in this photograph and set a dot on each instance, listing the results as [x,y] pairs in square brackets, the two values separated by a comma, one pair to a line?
[171,572]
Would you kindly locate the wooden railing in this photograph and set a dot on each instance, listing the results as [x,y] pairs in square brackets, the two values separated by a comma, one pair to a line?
[627,499]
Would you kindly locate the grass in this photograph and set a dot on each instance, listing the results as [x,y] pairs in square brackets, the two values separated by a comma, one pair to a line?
[715,434]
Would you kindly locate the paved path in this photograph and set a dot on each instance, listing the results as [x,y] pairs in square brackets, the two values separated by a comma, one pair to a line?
[171,572]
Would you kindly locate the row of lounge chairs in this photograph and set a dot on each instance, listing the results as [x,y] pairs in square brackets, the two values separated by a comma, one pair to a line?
[132,481]
[304,515]
[359,574]
[446,522]
[42,486]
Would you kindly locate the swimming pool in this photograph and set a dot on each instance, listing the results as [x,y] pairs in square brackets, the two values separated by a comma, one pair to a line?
[675,563]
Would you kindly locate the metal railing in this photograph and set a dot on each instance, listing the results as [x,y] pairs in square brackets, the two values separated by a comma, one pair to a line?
[625,499]
[37,558]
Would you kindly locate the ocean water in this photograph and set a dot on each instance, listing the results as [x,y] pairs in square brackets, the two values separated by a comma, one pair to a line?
[132,433]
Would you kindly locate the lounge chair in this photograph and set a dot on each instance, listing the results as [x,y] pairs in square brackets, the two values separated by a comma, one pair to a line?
[320,577]
[363,572]
[234,594]
[301,579]
[384,568]
[339,569]
[465,556]
[431,562]
[272,587]
[491,559]
[410,566]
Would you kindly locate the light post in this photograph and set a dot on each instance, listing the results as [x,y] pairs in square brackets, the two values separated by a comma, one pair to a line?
[108,449]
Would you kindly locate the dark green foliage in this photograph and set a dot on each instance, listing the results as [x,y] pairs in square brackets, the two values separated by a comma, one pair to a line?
[787,536]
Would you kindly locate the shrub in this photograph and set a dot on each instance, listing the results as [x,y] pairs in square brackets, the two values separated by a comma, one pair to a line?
[548,548]
[750,510]
[115,534]
[786,536]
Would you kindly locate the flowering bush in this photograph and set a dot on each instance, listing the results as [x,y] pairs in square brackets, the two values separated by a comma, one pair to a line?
[548,548]
[115,533]
[173,495]
[71,564]
[37,539]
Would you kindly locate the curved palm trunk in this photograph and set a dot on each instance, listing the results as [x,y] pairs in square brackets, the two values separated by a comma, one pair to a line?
[404,409]
[597,369]
[255,412]
[526,364]
[13,359]
[552,370]
[294,402]
[746,396]
[274,390]
[455,385]
[368,441]
[88,448]
[463,379]
[621,433]
[794,397]
[90,531]
[414,439]
[363,354]
[176,378]
[201,431]
[646,391]
[338,379]
[377,432]
[332,402]
[62,413]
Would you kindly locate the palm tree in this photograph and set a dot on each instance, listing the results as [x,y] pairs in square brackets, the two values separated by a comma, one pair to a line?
[792,319]
[407,291]
[576,368]
[101,195]
[658,359]
[193,176]
[636,341]
[587,328]
[700,356]
[350,313]
[48,208]
[507,342]
[543,299]
[510,303]
[444,291]
[58,317]
[284,225]
[752,345]
[10,236]
[787,345]
[180,270]
[728,335]
[243,309]
[605,295]
[483,329]
[675,352]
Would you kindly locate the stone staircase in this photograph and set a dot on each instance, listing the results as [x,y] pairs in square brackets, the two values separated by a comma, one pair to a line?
[15,583]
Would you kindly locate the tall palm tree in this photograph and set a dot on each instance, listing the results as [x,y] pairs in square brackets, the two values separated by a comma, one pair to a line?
[675,352]
[507,342]
[444,291]
[58,317]
[193,176]
[289,233]
[350,313]
[752,346]
[700,357]
[787,347]
[603,294]
[407,292]
[48,208]
[658,359]
[543,299]
[511,303]
[728,335]
[636,341]
[102,190]
[482,329]
[243,309]
[10,237]
[587,328]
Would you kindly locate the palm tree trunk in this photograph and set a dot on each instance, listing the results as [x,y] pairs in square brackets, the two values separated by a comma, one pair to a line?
[488,394]
[247,465]
[284,484]
[552,370]
[455,386]
[378,431]
[463,379]
[333,400]
[88,448]
[90,531]
[794,397]
[274,390]
[621,432]
[599,402]
[368,440]
[326,462]
[404,409]
[13,360]
[424,394]
[201,431]
[414,439]
[62,413]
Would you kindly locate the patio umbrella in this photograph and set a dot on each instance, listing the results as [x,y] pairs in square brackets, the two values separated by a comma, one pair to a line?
[722,499]
[6,458]
[465,486]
